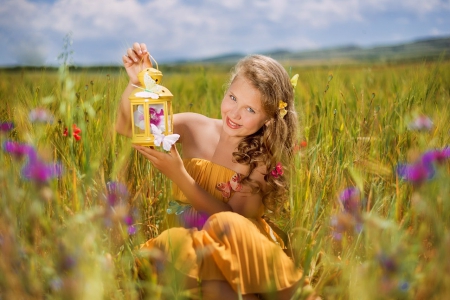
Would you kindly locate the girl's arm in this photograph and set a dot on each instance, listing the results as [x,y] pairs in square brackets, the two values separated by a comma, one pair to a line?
[123,120]
[171,165]
[136,59]
[246,203]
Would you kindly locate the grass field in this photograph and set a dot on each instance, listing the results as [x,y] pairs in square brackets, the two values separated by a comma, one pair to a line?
[368,214]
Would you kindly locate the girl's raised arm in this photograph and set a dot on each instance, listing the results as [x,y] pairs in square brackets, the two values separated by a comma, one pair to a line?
[134,61]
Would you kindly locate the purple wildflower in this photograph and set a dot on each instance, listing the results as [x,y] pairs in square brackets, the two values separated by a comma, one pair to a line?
[6,127]
[129,220]
[387,263]
[132,230]
[416,173]
[40,115]
[436,155]
[34,169]
[349,219]
[403,285]
[20,150]
[117,192]
[351,200]
[117,210]
[421,123]
[68,262]
[40,172]
[424,168]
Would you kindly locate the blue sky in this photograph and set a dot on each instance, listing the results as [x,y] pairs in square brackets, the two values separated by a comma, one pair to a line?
[32,32]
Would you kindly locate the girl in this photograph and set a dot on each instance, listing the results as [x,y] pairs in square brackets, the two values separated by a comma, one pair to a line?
[231,174]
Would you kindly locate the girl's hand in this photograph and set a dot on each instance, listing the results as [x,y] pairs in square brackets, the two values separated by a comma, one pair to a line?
[136,59]
[169,163]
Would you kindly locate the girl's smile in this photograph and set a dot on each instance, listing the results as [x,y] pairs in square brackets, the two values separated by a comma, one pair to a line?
[231,124]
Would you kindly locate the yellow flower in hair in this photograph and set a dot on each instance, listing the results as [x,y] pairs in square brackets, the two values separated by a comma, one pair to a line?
[282,107]
[294,80]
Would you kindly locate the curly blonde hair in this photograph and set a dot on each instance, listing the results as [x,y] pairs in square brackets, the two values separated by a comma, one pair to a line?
[274,142]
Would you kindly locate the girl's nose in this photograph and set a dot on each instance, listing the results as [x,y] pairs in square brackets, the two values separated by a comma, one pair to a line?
[234,113]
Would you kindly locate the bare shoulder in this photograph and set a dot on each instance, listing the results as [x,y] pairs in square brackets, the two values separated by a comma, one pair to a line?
[194,129]
[189,124]
[191,121]
[188,117]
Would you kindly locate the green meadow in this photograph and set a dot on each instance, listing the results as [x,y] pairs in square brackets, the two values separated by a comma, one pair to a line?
[62,236]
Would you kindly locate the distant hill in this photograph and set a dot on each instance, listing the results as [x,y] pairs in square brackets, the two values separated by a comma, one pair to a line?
[430,48]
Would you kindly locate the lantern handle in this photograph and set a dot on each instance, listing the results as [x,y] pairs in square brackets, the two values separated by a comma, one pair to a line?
[151,57]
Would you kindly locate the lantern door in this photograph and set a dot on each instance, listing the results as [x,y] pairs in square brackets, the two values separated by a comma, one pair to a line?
[140,119]
[169,123]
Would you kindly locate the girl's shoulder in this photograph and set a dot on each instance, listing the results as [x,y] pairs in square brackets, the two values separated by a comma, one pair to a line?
[190,118]
[191,121]
[193,124]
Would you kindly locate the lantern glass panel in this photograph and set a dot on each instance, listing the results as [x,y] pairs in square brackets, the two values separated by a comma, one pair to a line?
[138,119]
[169,118]
[156,113]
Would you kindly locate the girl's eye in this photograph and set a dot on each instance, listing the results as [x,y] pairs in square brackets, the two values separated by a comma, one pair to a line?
[233,97]
[250,110]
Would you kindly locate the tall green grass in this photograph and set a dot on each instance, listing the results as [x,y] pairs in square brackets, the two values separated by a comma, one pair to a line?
[58,241]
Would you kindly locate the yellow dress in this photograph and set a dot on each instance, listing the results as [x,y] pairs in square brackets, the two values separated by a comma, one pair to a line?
[245,252]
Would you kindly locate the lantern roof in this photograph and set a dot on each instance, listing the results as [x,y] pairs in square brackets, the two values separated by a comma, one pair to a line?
[150,88]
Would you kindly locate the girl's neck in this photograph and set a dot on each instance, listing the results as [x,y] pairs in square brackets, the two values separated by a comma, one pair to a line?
[223,153]
[229,141]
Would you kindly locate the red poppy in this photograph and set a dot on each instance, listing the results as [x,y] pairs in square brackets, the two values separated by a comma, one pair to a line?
[76,132]
[299,146]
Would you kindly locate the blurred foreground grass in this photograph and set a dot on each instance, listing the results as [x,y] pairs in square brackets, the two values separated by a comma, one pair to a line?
[386,237]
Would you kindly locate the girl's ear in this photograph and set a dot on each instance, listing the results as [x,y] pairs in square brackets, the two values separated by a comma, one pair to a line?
[267,123]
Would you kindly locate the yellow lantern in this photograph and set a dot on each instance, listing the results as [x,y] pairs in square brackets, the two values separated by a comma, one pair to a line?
[151,111]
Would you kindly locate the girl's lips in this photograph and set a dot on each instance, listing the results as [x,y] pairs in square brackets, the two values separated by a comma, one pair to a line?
[232,125]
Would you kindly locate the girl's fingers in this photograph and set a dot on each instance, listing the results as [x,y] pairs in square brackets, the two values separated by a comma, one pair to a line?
[137,53]
[144,48]
[148,152]
[137,48]
[173,150]
[132,55]
[127,61]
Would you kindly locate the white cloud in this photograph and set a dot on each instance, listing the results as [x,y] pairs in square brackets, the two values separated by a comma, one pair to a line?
[435,32]
[177,28]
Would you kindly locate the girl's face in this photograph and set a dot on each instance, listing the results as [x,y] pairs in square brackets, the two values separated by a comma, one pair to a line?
[241,109]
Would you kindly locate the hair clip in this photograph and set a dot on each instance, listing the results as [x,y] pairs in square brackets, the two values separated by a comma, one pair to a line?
[277,171]
[282,107]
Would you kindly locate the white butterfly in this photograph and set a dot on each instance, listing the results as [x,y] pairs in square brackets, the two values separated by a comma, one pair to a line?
[146,94]
[151,85]
[151,88]
[166,140]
